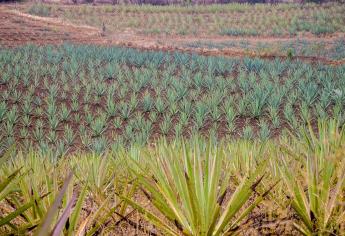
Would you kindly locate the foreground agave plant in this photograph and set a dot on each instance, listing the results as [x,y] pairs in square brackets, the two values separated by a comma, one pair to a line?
[317,189]
[6,186]
[188,185]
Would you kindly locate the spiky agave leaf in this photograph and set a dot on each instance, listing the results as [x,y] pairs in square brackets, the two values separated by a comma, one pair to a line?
[188,185]
[315,194]
[6,188]
[53,210]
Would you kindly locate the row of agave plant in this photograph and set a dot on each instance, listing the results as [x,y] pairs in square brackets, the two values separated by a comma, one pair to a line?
[92,98]
[231,19]
[193,187]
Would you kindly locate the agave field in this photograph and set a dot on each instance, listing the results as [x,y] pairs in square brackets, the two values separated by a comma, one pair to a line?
[92,98]
[100,140]
[330,49]
[229,19]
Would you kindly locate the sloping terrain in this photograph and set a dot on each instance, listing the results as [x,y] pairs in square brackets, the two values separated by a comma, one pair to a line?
[18,28]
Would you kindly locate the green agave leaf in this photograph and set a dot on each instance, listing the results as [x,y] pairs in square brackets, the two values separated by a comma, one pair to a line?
[76,212]
[6,183]
[58,228]
[46,224]
[7,155]
[7,219]
[151,217]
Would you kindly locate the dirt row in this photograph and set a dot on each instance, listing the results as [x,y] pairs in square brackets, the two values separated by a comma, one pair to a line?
[18,29]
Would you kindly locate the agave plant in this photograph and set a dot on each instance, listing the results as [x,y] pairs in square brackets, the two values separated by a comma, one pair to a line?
[248,132]
[75,106]
[166,125]
[65,113]
[190,189]
[99,145]
[98,126]
[153,116]
[6,185]
[264,132]
[215,114]
[99,181]
[317,191]
[12,115]
[125,111]
[111,108]
[117,122]
[53,221]
[147,102]
[27,107]
[305,112]
[69,135]
[54,122]
[159,105]
[258,102]
[38,132]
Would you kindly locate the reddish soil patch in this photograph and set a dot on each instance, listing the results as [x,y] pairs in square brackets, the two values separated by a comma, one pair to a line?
[17,29]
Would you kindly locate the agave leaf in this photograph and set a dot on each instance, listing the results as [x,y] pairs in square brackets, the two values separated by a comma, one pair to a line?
[335,194]
[152,218]
[312,188]
[299,202]
[103,220]
[130,193]
[162,194]
[76,212]
[58,228]
[23,229]
[6,183]
[93,217]
[249,209]
[325,191]
[7,219]
[14,201]
[239,198]
[82,227]
[156,197]
[45,225]
[7,155]
[38,207]
[302,229]
[97,215]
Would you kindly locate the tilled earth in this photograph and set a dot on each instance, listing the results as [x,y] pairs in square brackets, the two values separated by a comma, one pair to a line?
[17,29]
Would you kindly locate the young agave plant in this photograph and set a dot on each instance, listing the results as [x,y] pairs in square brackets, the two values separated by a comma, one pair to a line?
[317,191]
[189,187]
[7,185]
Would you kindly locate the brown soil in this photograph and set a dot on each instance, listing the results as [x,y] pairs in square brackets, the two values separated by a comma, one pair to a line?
[18,29]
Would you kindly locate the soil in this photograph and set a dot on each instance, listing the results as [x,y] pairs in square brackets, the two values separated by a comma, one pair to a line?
[18,28]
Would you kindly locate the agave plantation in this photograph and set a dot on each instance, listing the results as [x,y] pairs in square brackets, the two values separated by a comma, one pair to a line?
[90,98]
[103,139]
[215,19]
[112,102]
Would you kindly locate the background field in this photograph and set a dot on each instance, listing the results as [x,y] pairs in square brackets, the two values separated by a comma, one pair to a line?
[310,32]
[231,20]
